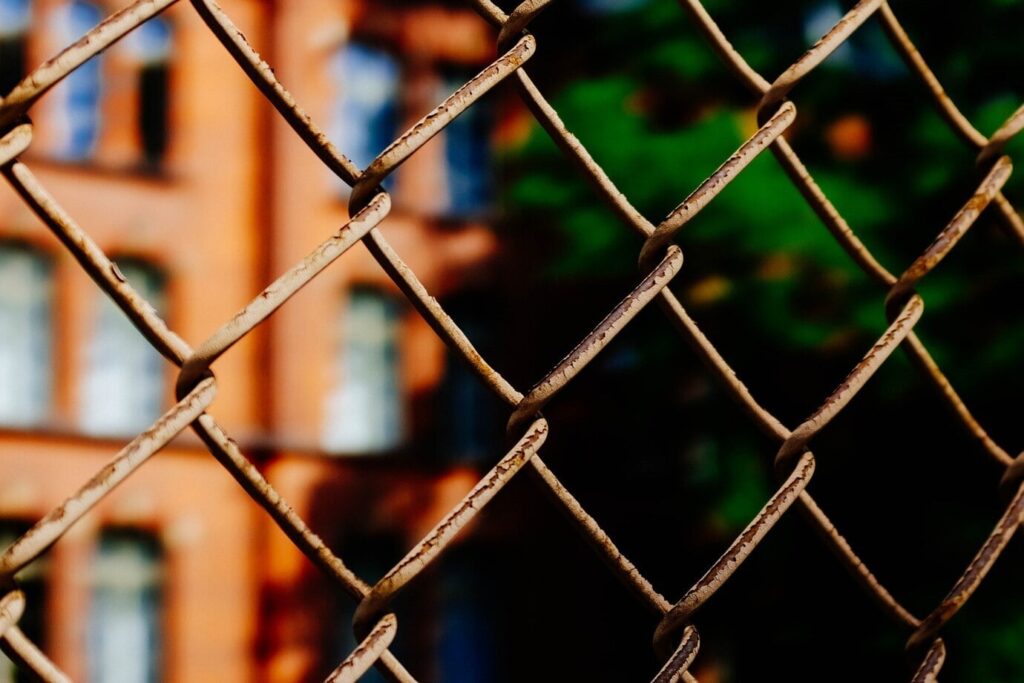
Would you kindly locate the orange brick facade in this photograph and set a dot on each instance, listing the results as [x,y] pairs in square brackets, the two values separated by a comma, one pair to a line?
[235,201]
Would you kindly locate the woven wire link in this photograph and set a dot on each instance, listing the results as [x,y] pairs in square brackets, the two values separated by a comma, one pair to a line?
[676,637]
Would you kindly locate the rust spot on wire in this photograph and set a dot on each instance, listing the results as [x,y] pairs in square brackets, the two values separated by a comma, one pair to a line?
[521,16]
[430,125]
[928,672]
[368,651]
[681,659]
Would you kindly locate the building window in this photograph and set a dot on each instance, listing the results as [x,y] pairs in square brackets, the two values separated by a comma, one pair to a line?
[122,392]
[150,48]
[32,582]
[15,16]
[467,153]
[77,112]
[25,334]
[125,611]
[365,116]
[364,409]
[469,423]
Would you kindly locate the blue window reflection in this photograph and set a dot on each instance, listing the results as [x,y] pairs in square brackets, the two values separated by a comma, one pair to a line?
[78,119]
[365,117]
[25,336]
[122,390]
[150,48]
[468,158]
[33,582]
[14,17]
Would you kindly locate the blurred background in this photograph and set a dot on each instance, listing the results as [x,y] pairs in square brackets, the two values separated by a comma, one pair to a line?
[167,155]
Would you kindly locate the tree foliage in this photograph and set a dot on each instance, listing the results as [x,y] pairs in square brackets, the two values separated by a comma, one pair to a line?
[642,90]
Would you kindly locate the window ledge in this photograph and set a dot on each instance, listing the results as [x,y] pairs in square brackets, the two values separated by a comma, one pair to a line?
[138,171]
[55,432]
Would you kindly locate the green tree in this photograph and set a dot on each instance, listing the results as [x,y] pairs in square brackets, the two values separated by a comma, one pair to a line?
[643,91]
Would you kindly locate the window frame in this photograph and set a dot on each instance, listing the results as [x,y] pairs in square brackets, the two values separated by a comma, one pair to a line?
[150,540]
[389,414]
[15,40]
[44,264]
[105,313]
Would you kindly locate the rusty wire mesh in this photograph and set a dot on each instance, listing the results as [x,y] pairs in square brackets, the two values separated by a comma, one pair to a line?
[676,638]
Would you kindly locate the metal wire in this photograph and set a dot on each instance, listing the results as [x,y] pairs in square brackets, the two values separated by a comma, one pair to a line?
[676,638]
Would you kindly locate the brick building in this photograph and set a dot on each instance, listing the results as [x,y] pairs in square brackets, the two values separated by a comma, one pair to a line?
[167,155]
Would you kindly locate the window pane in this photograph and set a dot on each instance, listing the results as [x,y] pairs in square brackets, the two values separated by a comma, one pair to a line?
[467,157]
[151,42]
[122,393]
[154,83]
[24,337]
[15,16]
[610,6]
[124,616]
[77,116]
[364,410]
[365,118]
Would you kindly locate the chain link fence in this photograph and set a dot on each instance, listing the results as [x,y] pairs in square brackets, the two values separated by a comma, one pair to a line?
[676,639]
